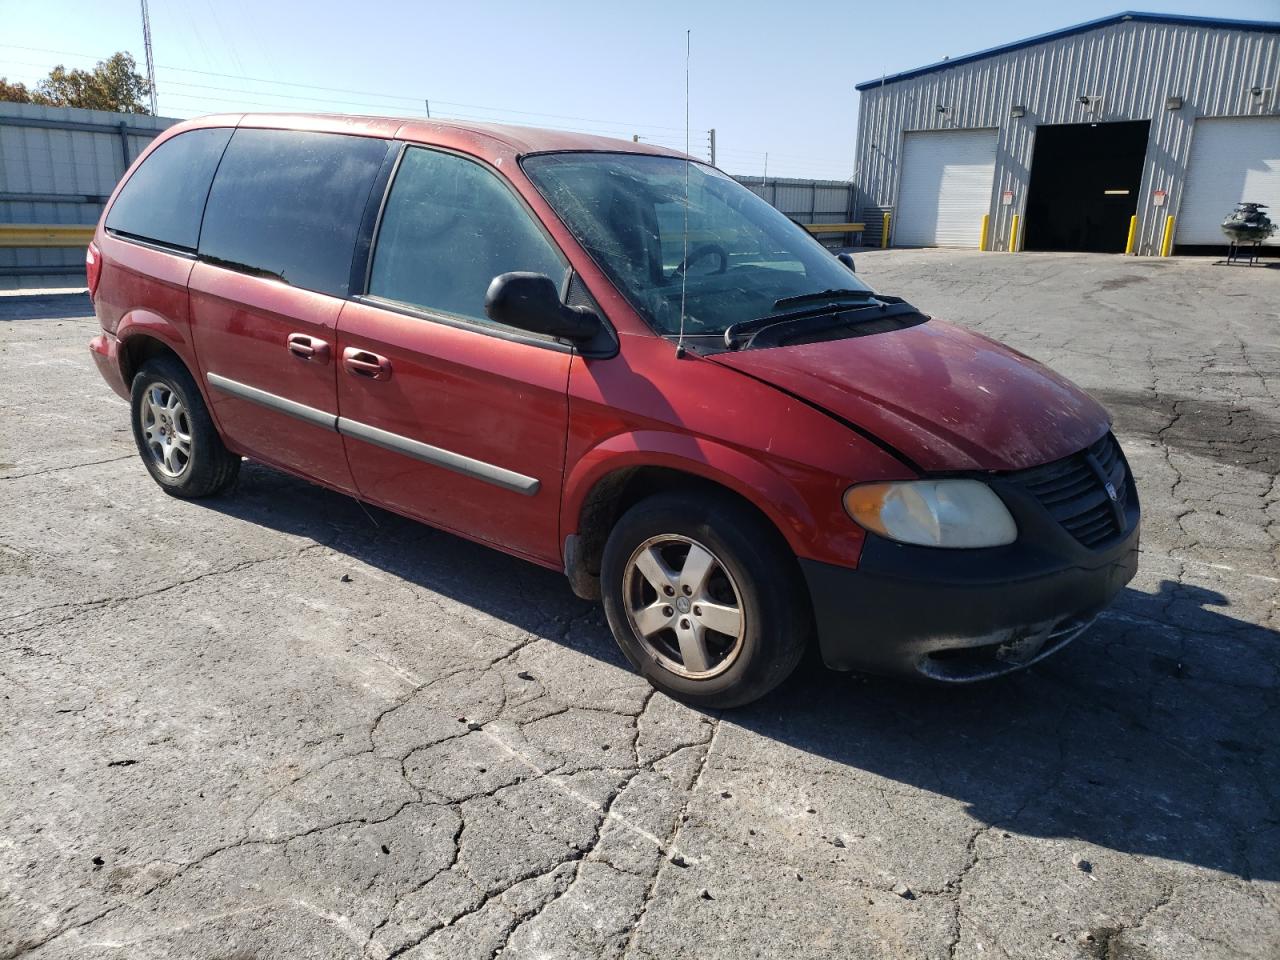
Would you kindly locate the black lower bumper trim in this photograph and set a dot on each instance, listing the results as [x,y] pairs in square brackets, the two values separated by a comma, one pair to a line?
[962,615]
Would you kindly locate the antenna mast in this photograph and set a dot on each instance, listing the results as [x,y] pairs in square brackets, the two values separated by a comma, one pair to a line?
[684,264]
[151,65]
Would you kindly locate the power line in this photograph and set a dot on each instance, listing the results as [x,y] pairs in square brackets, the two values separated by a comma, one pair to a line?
[739,155]
[620,128]
[732,156]
[361,93]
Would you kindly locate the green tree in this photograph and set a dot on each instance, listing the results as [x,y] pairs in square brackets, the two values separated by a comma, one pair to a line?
[114,84]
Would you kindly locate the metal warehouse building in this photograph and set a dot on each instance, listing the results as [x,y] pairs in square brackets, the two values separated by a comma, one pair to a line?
[1088,138]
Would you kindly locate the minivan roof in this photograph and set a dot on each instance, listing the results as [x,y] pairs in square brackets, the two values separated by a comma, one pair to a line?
[489,140]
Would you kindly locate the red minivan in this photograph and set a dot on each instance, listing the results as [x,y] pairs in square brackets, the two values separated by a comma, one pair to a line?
[613,360]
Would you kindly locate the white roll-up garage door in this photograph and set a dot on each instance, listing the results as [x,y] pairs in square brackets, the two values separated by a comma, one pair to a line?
[946,187]
[1232,159]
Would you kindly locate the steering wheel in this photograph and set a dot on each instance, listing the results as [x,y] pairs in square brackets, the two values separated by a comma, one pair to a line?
[700,251]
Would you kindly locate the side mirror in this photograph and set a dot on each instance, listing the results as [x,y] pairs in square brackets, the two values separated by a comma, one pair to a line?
[847,260]
[530,301]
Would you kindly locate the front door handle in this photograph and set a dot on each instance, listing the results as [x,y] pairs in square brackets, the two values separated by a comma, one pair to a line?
[362,363]
[306,347]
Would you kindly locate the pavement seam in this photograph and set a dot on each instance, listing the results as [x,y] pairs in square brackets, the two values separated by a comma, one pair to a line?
[671,846]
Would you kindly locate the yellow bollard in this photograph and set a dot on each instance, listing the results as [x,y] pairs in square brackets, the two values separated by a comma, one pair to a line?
[1013,234]
[1167,245]
[1133,230]
[986,222]
[884,232]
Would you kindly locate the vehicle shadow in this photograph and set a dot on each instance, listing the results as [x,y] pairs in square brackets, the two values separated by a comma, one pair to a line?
[1149,735]
[1226,432]
[1153,734]
[45,306]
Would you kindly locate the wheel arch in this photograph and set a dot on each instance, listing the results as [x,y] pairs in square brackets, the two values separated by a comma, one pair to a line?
[625,470]
[143,334]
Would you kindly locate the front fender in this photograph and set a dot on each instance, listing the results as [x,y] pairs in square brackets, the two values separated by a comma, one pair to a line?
[774,491]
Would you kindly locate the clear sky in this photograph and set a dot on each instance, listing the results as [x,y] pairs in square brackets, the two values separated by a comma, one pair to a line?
[769,76]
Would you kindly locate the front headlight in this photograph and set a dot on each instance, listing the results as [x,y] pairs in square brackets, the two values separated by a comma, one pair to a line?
[933,513]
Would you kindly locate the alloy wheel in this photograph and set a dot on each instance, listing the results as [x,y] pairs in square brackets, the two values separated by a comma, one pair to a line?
[684,605]
[166,429]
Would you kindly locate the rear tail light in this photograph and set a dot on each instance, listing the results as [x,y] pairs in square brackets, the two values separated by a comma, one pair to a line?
[92,267]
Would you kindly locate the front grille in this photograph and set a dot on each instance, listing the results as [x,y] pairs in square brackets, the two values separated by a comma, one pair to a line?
[1074,491]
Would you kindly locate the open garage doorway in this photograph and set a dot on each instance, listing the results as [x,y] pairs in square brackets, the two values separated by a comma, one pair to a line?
[1084,185]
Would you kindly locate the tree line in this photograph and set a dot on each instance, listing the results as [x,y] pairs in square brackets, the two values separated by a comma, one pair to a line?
[114,84]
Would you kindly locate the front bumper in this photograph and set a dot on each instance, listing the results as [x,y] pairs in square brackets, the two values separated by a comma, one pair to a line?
[963,615]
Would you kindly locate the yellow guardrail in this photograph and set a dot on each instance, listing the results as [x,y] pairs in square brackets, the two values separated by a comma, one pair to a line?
[1133,232]
[44,235]
[835,227]
[1013,234]
[1167,246]
[986,224]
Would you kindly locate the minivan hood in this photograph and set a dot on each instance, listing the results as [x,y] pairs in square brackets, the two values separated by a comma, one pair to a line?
[945,397]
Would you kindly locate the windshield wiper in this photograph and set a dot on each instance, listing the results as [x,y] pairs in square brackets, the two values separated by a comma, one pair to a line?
[744,329]
[824,295]
[747,332]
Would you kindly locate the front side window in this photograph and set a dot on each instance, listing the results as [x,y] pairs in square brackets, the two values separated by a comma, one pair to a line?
[288,204]
[743,256]
[449,227]
[164,198]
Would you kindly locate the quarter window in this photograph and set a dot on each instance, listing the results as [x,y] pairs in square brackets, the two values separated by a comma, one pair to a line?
[164,198]
[288,204]
[449,227]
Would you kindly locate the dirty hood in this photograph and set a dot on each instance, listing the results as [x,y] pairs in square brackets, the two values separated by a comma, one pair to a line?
[945,397]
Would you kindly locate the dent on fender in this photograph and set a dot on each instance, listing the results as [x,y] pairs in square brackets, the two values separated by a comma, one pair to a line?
[144,322]
[767,490]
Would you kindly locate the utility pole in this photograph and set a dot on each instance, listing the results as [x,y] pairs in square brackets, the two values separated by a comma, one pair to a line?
[428,103]
[711,139]
[151,64]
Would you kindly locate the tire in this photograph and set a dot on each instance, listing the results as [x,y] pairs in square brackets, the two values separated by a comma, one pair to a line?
[751,570]
[191,460]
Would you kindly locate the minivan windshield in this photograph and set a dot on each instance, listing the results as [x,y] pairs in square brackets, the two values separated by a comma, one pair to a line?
[745,260]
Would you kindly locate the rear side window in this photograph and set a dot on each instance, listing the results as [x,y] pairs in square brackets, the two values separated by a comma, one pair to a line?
[288,204]
[449,227]
[163,201]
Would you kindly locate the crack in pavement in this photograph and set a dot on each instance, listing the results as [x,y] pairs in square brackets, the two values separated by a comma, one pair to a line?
[477,780]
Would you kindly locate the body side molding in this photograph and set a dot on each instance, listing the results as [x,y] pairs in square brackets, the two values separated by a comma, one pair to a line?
[490,473]
[437,456]
[320,418]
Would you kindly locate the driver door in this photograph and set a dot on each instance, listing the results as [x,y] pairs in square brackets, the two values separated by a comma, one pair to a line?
[445,415]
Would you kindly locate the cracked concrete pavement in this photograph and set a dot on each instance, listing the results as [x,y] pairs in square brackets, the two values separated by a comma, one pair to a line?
[215,747]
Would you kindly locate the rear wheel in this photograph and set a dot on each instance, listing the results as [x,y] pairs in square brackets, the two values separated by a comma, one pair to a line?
[704,598]
[175,435]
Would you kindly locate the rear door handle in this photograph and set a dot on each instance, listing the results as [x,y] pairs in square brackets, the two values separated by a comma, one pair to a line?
[362,363]
[307,347]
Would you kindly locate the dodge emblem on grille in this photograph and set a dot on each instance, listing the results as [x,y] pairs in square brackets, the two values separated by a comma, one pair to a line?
[1111,492]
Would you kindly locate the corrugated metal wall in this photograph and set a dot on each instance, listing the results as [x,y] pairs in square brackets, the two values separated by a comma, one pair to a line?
[59,165]
[808,201]
[1133,66]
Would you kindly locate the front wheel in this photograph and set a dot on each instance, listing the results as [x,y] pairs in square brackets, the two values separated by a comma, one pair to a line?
[175,435]
[704,599]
